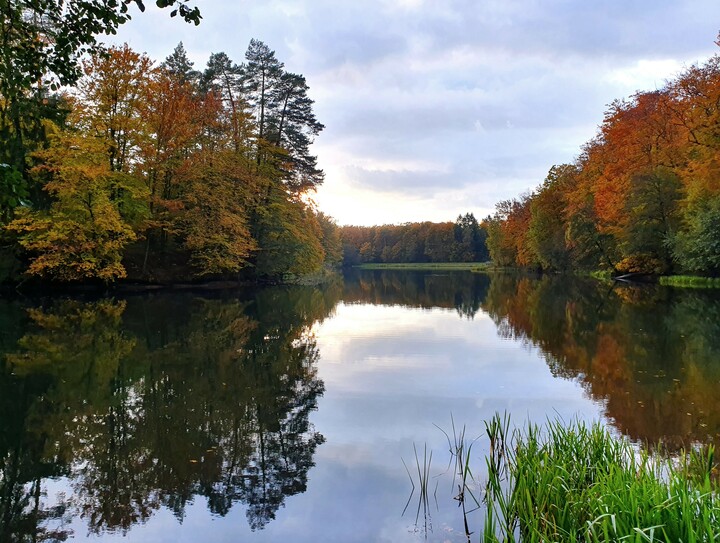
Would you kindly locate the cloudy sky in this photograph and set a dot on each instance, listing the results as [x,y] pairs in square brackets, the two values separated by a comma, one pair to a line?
[438,107]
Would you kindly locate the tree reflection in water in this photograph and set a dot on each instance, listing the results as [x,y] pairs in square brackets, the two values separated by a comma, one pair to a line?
[649,354]
[153,401]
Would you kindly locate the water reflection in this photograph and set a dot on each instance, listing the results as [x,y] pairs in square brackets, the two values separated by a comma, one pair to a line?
[151,402]
[462,291]
[129,407]
[652,355]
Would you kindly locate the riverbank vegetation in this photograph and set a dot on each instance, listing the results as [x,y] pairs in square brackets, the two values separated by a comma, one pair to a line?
[160,172]
[574,482]
[416,243]
[690,281]
[642,197]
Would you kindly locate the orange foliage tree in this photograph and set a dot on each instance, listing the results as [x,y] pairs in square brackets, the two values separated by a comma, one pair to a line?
[644,194]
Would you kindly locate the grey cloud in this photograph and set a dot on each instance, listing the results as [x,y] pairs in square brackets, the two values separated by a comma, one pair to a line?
[398,180]
[481,97]
[615,28]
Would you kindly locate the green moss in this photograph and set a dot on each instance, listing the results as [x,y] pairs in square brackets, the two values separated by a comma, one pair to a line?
[602,275]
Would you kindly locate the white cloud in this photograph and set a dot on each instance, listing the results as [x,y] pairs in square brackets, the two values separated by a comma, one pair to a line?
[437,108]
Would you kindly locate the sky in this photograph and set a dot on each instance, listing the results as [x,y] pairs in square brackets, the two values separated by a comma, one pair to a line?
[435,108]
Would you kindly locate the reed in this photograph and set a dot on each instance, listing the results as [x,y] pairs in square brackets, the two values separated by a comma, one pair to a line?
[422,467]
[579,483]
[460,450]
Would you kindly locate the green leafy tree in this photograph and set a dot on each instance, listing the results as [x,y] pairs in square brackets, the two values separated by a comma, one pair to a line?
[289,240]
[214,224]
[652,210]
[225,78]
[13,192]
[469,240]
[696,246]
[179,66]
[331,239]
[261,77]
[284,117]
[292,126]
[546,232]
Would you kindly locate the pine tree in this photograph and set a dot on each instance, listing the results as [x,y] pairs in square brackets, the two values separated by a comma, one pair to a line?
[179,65]
[293,126]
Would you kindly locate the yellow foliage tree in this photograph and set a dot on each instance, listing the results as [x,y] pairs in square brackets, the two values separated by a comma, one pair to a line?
[215,222]
[84,232]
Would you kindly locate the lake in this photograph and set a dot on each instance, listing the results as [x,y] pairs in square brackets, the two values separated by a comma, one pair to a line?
[303,413]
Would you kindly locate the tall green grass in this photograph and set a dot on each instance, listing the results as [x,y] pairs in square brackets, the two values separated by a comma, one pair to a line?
[577,483]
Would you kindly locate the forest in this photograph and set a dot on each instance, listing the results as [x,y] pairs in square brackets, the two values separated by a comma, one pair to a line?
[160,172]
[461,241]
[642,197]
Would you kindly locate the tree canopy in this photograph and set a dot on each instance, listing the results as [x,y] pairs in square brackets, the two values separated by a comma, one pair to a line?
[162,172]
[643,196]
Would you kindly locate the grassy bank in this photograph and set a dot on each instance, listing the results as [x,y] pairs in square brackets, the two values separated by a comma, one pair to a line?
[579,483]
[419,266]
[690,281]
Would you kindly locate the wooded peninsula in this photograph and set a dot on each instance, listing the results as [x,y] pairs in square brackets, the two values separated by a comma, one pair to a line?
[159,172]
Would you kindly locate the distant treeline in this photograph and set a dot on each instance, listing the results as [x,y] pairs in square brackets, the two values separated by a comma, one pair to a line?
[461,241]
[163,172]
[643,196]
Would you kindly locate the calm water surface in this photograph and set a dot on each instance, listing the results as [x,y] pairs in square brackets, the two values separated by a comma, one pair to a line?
[287,413]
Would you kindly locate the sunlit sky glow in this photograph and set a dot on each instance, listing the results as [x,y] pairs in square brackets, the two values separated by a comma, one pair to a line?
[435,108]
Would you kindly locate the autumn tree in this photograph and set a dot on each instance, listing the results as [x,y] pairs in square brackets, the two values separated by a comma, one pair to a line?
[331,239]
[548,224]
[206,173]
[83,234]
[110,101]
[41,44]
[696,94]
[462,241]
[214,226]
[174,119]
